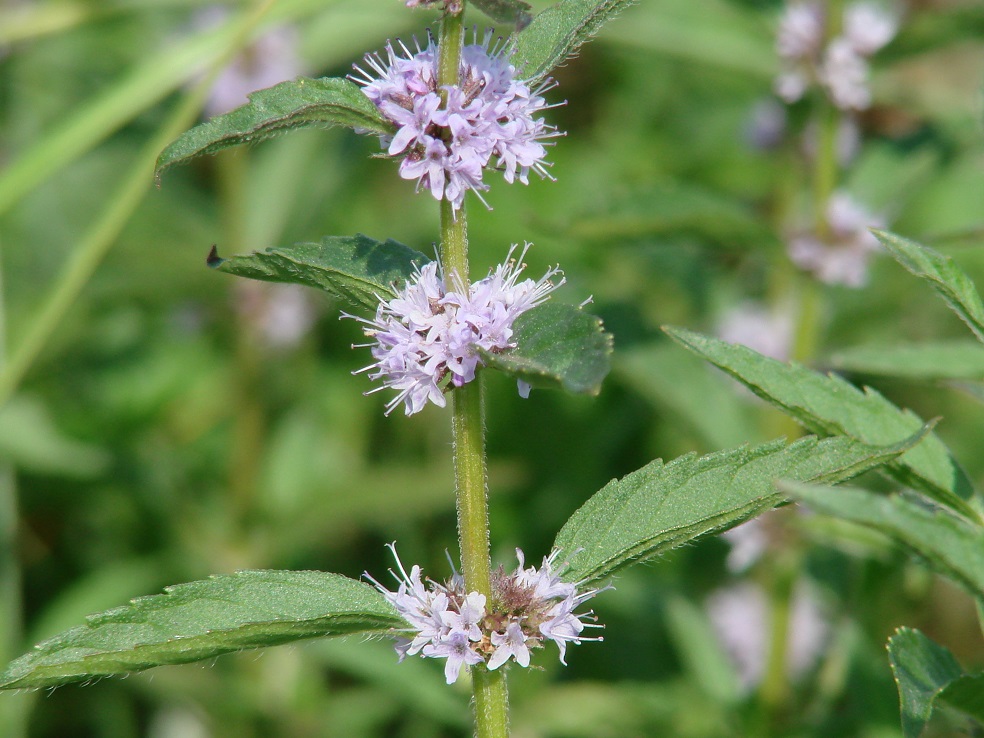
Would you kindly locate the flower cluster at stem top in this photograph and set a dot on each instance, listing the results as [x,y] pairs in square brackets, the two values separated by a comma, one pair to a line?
[448,135]
[526,607]
[429,336]
[839,65]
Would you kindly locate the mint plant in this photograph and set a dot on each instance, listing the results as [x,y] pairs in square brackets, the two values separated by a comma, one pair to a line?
[453,111]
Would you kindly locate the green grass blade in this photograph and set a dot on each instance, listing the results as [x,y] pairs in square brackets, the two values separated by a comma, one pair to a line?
[95,243]
[97,118]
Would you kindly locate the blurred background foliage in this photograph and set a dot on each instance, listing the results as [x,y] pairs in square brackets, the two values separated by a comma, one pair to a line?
[162,423]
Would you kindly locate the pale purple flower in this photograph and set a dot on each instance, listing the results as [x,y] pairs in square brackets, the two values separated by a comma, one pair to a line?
[491,118]
[791,84]
[843,258]
[429,336]
[868,27]
[801,30]
[512,643]
[748,541]
[456,648]
[766,125]
[839,64]
[740,617]
[281,314]
[844,75]
[526,608]
[270,59]
[468,617]
[770,332]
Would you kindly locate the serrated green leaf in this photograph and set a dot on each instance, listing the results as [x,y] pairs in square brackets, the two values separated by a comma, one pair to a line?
[943,274]
[357,269]
[557,346]
[513,12]
[556,34]
[300,103]
[829,405]
[927,675]
[948,543]
[930,361]
[662,506]
[199,620]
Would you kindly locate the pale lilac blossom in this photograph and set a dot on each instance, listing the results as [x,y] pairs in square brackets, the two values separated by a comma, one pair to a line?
[838,64]
[270,59]
[765,128]
[748,541]
[767,331]
[740,617]
[801,30]
[844,75]
[868,27]
[526,608]
[281,315]
[843,257]
[490,118]
[430,335]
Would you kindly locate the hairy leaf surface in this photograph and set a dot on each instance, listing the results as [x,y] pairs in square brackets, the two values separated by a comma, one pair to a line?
[557,346]
[662,506]
[556,34]
[950,544]
[927,675]
[301,103]
[357,269]
[829,405]
[199,620]
[943,274]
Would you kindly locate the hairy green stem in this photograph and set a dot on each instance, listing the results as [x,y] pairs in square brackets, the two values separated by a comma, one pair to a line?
[94,246]
[468,428]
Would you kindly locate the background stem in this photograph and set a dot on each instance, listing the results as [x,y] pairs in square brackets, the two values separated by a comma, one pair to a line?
[14,708]
[774,690]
